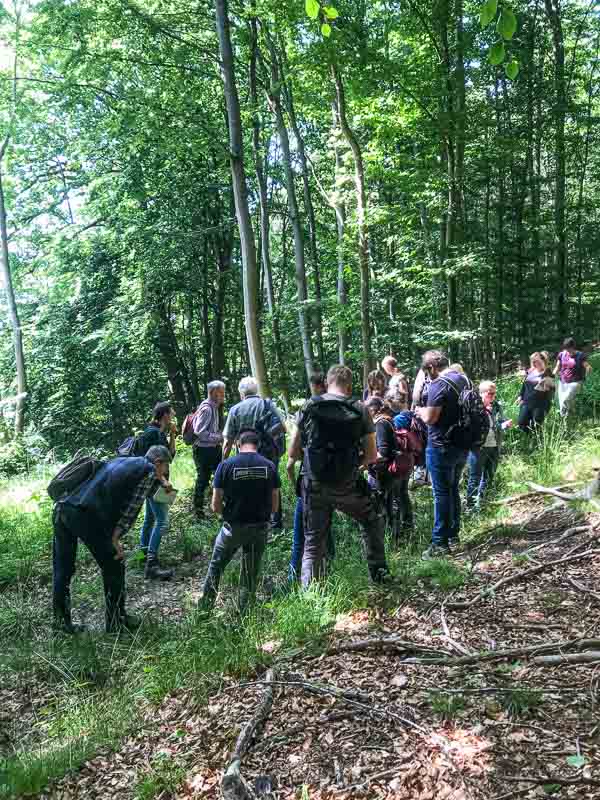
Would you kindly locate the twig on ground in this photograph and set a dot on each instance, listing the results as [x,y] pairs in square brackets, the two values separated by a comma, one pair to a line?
[551,779]
[452,642]
[339,775]
[588,657]
[537,728]
[527,495]
[382,643]
[518,576]
[233,786]
[555,491]
[512,652]
[569,532]
[584,589]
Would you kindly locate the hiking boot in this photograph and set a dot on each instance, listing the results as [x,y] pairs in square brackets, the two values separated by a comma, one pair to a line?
[126,622]
[454,544]
[154,571]
[436,551]
[381,575]
[62,625]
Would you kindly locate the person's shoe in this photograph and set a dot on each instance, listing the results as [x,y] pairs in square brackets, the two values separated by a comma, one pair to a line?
[126,622]
[454,544]
[62,625]
[155,572]
[435,551]
[381,575]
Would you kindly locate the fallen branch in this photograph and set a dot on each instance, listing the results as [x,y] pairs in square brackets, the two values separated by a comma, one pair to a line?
[551,779]
[382,643]
[518,576]
[527,495]
[554,491]
[512,652]
[584,589]
[588,657]
[453,644]
[233,786]
[569,532]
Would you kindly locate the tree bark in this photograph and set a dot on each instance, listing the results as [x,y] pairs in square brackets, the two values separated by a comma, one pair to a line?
[238,175]
[340,222]
[13,312]
[363,234]
[274,95]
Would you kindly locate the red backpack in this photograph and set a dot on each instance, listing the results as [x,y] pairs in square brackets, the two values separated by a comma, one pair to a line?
[187,429]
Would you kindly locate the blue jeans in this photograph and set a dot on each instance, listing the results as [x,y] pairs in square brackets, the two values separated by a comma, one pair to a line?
[445,466]
[298,543]
[482,467]
[156,523]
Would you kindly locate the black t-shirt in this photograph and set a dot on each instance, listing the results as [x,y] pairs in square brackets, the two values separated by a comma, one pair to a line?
[442,394]
[247,481]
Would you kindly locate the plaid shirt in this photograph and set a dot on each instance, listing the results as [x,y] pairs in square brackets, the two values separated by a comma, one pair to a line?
[145,488]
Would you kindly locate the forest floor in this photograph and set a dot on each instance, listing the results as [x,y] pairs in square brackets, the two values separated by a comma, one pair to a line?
[443,685]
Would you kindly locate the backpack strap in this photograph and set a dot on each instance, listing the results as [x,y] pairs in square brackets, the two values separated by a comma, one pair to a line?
[455,386]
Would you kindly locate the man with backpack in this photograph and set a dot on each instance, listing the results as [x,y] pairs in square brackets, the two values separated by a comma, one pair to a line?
[100,511]
[335,439]
[264,417]
[207,441]
[245,491]
[456,422]
[572,368]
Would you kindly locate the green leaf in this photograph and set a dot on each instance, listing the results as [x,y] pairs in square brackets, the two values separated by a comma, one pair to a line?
[551,788]
[331,12]
[576,761]
[496,54]
[488,12]
[326,30]
[312,8]
[507,24]
[512,69]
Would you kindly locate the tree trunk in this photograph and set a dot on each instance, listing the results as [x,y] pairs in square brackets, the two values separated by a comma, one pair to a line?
[340,221]
[236,157]
[13,313]
[274,95]
[553,11]
[363,236]
[265,239]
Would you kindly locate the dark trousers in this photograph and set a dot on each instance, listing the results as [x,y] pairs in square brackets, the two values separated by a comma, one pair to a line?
[277,516]
[253,540]
[354,499]
[530,416]
[399,507]
[482,468]
[298,543]
[206,459]
[69,526]
[445,465]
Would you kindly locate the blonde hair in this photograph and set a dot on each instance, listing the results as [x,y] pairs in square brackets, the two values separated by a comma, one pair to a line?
[485,386]
[542,358]
[456,367]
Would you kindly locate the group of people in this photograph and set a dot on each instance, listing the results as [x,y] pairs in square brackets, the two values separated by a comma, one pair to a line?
[356,457]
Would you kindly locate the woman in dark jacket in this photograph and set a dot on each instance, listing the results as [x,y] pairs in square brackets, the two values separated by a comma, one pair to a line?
[398,505]
[535,397]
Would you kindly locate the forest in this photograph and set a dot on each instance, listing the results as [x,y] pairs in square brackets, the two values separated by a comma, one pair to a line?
[198,191]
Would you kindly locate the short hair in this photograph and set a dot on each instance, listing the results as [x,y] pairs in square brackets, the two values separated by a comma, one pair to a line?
[374,403]
[457,367]
[248,436]
[159,452]
[248,386]
[161,410]
[317,379]
[390,360]
[214,385]
[375,378]
[434,358]
[569,342]
[485,386]
[341,375]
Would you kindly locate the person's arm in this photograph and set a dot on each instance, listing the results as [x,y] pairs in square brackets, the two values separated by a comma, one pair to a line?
[217,501]
[417,389]
[587,366]
[274,501]
[429,414]
[291,470]
[384,435]
[227,448]
[132,509]
[369,446]
[556,369]
[295,447]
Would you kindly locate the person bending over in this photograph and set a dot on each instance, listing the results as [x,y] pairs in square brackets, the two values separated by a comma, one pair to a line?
[332,433]
[99,512]
[245,492]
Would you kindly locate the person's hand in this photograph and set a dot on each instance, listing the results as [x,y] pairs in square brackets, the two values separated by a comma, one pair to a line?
[519,401]
[119,551]
[168,487]
[173,428]
[507,424]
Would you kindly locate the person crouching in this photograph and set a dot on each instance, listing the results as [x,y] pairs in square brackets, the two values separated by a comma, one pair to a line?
[246,493]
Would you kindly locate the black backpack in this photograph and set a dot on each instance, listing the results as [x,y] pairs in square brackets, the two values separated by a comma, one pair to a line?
[271,433]
[133,446]
[76,472]
[469,432]
[332,431]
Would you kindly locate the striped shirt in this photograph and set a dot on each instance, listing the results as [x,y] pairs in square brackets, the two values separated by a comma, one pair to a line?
[206,425]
